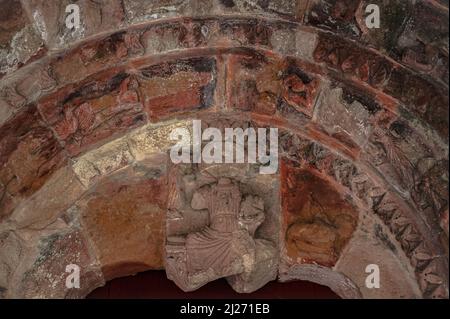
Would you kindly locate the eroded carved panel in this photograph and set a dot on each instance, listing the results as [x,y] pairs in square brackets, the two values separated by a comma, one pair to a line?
[221,223]
[318,223]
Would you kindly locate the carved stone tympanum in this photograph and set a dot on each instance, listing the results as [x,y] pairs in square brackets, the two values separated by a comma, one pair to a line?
[212,233]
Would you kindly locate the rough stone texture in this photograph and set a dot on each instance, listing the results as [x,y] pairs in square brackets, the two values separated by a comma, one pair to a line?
[318,223]
[362,116]
[178,86]
[47,276]
[10,253]
[125,220]
[20,41]
[372,237]
[96,16]
[423,44]
[29,155]
[94,112]
[266,86]
[36,213]
[217,227]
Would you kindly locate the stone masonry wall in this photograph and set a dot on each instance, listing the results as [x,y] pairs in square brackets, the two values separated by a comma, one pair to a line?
[85,118]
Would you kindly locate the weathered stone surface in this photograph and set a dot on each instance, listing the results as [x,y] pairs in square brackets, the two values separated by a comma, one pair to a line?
[268,86]
[10,253]
[427,101]
[371,245]
[95,17]
[153,139]
[422,98]
[91,57]
[138,145]
[47,276]
[213,229]
[179,86]
[36,84]
[29,154]
[318,223]
[362,116]
[94,112]
[339,283]
[423,44]
[137,11]
[351,61]
[37,214]
[394,17]
[102,161]
[19,40]
[395,148]
[124,217]
[349,123]
[335,15]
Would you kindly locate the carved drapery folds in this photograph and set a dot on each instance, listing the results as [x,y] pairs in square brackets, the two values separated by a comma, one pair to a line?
[217,226]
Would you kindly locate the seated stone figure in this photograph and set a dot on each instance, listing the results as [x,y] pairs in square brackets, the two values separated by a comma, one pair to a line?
[226,246]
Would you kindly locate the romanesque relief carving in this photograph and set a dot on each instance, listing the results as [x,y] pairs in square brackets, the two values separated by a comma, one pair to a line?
[427,264]
[431,188]
[388,156]
[299,89]
[318,222]
[213,227]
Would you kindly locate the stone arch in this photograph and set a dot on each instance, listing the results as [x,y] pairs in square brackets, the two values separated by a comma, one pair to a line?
[371,124]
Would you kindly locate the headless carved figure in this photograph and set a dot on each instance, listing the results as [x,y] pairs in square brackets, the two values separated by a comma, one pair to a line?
[220,245]
[226,245]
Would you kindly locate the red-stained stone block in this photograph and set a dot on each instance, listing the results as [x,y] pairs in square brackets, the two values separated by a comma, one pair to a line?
[352,61]
[178,86]
[29,154]
[248,31]
[125,218]
[94,111]
[253,83]
[300,89]
[95,56]
[317,221]
[265,85]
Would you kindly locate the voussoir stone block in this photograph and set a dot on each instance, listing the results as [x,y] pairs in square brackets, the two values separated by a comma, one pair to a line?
[97,110]
[317,224]
[29,156]
[124,217]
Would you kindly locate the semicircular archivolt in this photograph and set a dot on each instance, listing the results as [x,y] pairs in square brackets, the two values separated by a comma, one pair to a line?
[373,127]
[120,160]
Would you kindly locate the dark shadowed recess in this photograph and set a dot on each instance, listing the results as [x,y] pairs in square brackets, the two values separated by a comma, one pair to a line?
[154,284]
